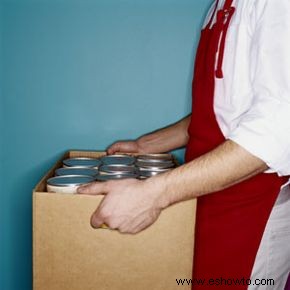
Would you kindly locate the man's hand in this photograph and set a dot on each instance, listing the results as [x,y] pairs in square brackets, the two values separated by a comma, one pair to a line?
[129,205]
[125,147]
[160,141]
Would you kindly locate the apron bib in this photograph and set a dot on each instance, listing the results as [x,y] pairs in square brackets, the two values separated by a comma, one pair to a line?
[231,222]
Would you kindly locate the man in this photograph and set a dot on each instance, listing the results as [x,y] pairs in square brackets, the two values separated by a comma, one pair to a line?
[237,151]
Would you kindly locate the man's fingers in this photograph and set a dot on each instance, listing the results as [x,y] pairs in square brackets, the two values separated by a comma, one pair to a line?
[94,188]
[123,146]
[114,148]
[96,220]
[101,219]
[110,151]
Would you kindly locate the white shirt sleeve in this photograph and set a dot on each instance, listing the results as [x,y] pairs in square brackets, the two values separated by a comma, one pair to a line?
[264,130]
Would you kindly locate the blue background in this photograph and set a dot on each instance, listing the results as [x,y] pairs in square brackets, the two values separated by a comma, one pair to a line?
[80,75]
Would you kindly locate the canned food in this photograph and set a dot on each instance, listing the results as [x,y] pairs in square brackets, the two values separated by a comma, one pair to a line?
[121,159]
[148,172]
[155,157]
[117,169]
[82,162]
[107,177]
[155,165]
[142,177]
[76,171]
[67,183]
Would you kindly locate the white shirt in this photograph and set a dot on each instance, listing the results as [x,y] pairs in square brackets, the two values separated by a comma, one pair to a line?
[252,101]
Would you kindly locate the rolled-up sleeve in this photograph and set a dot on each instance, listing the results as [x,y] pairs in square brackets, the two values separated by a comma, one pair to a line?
[264,130]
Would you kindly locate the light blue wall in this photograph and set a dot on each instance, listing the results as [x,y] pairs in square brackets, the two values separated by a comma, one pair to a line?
[82,74]
[3,212]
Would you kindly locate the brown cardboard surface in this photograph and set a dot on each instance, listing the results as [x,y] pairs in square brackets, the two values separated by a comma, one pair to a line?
[69,254]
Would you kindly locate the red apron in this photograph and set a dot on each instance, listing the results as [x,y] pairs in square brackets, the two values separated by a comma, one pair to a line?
[231,222]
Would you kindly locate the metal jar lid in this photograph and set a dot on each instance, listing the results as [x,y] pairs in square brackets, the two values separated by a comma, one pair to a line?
[155,157]
[107,177]
[145,171]
[70,180]
[142,177]
[121,159]
[155,165]
[117,169]
[82,162]
[76,171]
[147,174]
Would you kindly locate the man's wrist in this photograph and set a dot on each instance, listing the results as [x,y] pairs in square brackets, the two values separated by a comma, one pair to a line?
[157,187]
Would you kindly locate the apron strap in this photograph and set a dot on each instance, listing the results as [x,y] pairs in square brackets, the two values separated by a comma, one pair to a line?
[228,4]
[212,15]
[224,17]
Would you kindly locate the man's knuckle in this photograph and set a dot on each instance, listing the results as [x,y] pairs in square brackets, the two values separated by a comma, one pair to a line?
[105,214]
[113,225]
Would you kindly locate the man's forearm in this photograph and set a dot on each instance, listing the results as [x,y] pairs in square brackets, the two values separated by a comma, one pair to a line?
[166,139]
[221,168]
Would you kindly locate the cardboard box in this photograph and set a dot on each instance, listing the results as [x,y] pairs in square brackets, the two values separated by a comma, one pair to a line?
[69,254]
